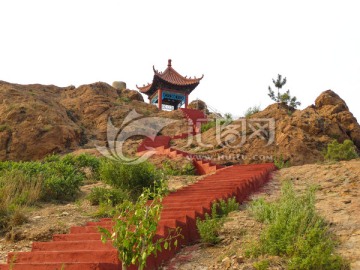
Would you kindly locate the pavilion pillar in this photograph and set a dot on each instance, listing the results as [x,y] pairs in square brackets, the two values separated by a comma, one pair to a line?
[160,99]
[186,100]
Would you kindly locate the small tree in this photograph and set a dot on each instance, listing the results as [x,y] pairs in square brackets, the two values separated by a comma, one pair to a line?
[252,110]
[285,98]
[135,228]
[228,117]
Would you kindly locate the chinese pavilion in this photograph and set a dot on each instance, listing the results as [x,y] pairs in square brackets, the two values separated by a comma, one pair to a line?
[169,90]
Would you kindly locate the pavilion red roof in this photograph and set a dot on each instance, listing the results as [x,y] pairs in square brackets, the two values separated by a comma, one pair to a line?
[170,78]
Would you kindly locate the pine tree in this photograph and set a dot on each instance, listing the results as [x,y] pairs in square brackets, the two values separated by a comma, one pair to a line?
[285,98]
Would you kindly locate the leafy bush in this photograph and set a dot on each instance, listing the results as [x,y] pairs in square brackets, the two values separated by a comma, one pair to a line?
[133,178]
[211,124]
[295,231]
[61,181]
[209,227]
[208,125]
[105,210]
[133,234]
[82,162]
[252,110]
[341,151]
[261,265]
[105,195]
[170,168]
[225,207]
[281,163]
[61,177]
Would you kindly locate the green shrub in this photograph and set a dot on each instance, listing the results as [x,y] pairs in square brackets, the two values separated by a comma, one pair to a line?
[225,207]
[133,234]
[133,178]
[341,151]
[295,230]
[61,179]
[281,163]
[170,168]
[82,161]
[208,125]
[252,110]
[262,265]
[211,124]
[209,228]
[104,195]
[105,210]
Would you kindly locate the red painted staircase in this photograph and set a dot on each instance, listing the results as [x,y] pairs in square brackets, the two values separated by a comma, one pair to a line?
[158,141]
[82,249]
[196,117]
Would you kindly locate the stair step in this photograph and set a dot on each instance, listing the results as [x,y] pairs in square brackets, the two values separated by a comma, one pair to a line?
[77,237]
[71,245]
[61,266]
[88,256]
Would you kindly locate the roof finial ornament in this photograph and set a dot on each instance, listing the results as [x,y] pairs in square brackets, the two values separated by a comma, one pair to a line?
[169,63]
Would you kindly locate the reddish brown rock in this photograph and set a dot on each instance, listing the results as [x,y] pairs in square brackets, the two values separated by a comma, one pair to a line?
[38,120]
[301,136]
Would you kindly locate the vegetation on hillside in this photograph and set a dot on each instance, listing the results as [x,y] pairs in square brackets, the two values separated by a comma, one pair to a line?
[227,119]
[341,151]
[24,184]
[209,228]
[295,230]
[135,228]
[252,110]
[58,179]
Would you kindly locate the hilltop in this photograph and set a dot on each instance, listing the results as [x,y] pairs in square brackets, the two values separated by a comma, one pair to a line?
[38,120]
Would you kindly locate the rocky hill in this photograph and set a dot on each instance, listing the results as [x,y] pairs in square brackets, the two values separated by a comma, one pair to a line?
[38,120]
[300,136]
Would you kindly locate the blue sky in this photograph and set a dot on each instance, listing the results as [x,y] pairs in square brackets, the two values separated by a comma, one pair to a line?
[238,45]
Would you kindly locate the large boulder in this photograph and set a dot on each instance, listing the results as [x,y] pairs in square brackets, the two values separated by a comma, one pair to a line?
[119,85]
[198,105]
[128,94]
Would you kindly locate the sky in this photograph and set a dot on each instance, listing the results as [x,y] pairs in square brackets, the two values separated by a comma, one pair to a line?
[239,46]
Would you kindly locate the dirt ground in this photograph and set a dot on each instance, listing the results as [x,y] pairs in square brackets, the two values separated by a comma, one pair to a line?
[337,200]
[47,219]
